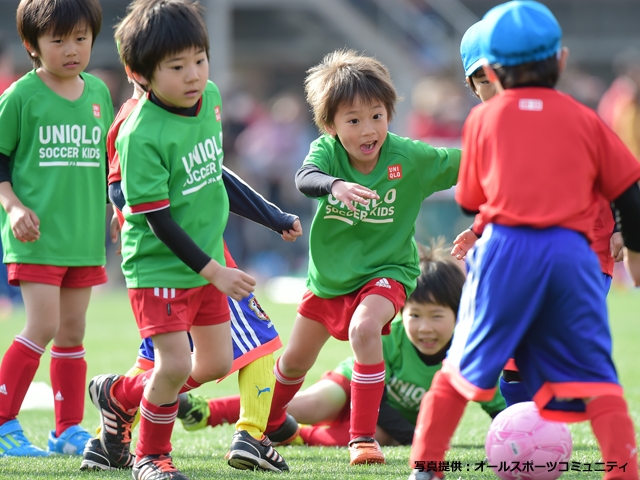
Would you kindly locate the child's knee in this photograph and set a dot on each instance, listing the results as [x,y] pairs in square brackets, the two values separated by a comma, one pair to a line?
[214,370]
[364,332]
[295,364]
[175,372]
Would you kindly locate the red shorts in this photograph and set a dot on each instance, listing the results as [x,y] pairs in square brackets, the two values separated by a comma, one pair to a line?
[164,310]
[66,277]
[335,313]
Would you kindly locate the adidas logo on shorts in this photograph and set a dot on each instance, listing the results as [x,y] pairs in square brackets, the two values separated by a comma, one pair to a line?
[383,282]
[59,397]
[3,389]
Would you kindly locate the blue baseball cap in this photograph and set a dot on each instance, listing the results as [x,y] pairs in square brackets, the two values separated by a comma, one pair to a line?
[519,31]
[470,50]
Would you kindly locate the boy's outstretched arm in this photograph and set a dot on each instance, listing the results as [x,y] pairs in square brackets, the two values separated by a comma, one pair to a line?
[230,281]
[314,183]
[628,207]
[245,202]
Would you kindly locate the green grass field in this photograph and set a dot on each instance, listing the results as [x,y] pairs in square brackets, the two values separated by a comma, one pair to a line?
[111,343]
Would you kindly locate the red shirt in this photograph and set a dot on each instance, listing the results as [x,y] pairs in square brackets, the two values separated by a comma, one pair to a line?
[112,155]
[537,157]
[602,231]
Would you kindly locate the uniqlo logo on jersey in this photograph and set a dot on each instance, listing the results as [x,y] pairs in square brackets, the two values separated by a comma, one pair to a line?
[395,172]
[96,110]
[217,109]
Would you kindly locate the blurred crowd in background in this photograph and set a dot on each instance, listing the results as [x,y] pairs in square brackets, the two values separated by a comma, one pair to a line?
[266,138]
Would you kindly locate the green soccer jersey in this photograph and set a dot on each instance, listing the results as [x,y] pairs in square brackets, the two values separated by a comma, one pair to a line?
[57,151]
[176,161]
[407,377]
[348,249]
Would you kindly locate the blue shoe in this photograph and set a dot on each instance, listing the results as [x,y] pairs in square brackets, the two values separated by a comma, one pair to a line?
[70,442]
[13,442]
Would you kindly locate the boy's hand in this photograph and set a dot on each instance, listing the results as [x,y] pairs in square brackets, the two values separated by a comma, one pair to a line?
[616,245]
[230,281]
[25,224]
[632,264]
[293,233]
[348,193]
[463,243]
[114,229]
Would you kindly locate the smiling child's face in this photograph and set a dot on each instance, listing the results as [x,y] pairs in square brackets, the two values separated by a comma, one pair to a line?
[429,326]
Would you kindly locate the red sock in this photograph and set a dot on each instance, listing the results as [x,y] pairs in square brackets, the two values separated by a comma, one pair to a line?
[129,390]
[224,410]
[367,387]
[68,373]
[283,392]
[335,435]
[190,384]
[156,425]
[613,428]
[19,366]
[441,409]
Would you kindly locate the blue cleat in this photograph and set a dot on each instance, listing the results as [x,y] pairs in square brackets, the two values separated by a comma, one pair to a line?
[70,442]
[13,442]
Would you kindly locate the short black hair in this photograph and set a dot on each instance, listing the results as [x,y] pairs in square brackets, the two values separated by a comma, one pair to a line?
[153,30]
[36,18]
[441,278]
[543,73]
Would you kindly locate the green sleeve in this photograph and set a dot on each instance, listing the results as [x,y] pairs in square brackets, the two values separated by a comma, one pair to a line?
[345,367]
[437,167]
[9,122]
[320,154]
[145,176]
[496,405]
[389,350]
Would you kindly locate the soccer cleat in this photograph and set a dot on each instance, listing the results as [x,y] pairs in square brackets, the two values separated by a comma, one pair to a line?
[115,421]
[286,434]
[365,450]
[417,474]
[95,458]
[247,453]
[13,443]
[70,442]
[193,411]
[157,467]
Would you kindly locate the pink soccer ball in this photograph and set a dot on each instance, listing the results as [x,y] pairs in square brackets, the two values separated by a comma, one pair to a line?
[521,445]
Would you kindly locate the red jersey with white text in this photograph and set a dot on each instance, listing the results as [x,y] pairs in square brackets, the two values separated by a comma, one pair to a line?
[536,157]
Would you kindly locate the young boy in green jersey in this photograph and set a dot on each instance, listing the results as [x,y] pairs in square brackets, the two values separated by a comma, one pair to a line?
[54,122]
[363,259]
[254,335]
[170,150]
[413,352]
